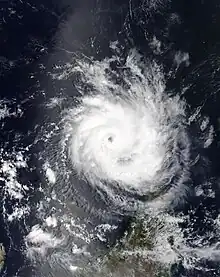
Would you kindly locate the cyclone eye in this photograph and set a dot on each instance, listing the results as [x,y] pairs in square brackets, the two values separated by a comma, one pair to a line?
[110,139]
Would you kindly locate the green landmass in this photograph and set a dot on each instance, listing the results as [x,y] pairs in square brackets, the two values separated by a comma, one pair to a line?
[129,257]
[2,256]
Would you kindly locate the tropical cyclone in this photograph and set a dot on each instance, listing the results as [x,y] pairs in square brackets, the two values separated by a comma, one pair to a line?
[126,133]
[117,141]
